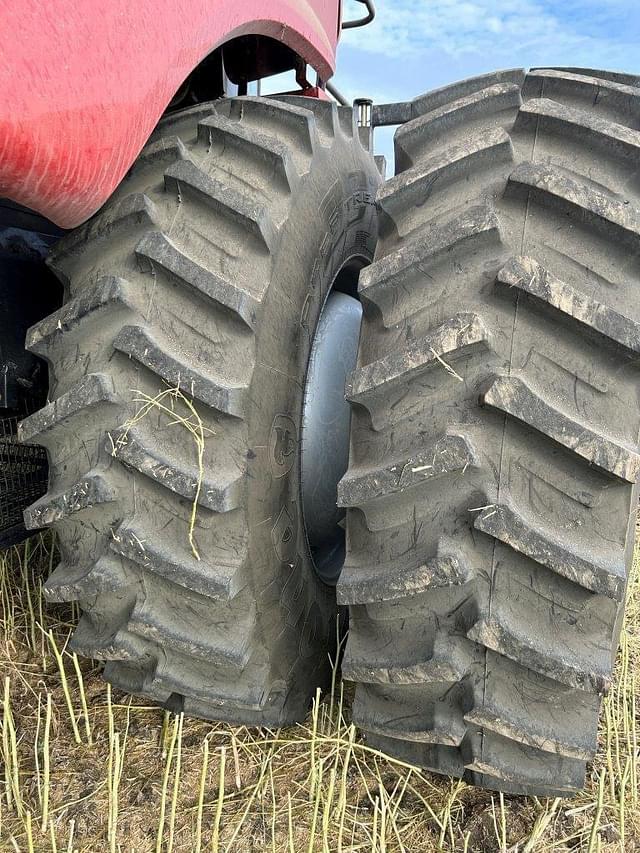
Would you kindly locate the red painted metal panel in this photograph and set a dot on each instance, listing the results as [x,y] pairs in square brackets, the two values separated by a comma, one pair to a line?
[84,82]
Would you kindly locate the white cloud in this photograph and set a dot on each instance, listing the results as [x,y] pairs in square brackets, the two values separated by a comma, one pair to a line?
[584,31]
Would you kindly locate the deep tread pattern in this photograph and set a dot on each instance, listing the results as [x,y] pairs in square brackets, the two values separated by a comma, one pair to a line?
[451,339]
[512,395]
[450,453]
[165,150]
[405,267]
[386,583]
[139,450]
[104,641]
[631,80]
[281,117]
[501,309]
[330,118]
[511,527]
[410,187]
[186,629]
[255,145]
[462,89]
[126,214]
[592,129]
[502,634]
[517,706]
[178,674]
[553,186]
[529,276]
[93,389]
[108,291]
[504,760]
[619,98]
[195,591]
[153,554]
[138,343]
[70,582]
[442,662]
[251,216]
[431,719]
[159,250]
[94,489]
[436,124]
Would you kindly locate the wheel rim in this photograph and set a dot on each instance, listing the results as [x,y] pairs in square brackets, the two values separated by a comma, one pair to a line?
[326,420]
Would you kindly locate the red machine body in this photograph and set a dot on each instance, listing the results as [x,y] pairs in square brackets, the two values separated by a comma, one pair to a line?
[83,83]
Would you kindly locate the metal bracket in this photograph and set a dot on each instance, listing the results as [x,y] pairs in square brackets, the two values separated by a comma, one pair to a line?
[361,22]
[384,115]
[362,108]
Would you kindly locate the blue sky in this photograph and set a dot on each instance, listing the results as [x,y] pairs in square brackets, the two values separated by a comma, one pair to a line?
[417,45]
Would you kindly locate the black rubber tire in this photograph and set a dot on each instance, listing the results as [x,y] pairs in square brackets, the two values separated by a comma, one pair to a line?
[207,271]
[494,455]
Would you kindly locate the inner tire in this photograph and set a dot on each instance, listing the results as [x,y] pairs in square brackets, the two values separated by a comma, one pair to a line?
[206,273]
[492,484]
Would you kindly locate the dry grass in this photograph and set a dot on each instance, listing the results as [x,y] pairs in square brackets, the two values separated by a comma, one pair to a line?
[84,769]
[179,411]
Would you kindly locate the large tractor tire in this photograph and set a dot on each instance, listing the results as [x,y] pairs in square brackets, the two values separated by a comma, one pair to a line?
[492,482]
[177,369]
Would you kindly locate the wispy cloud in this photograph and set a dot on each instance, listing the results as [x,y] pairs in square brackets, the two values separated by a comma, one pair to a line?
[584,31]
[416,45]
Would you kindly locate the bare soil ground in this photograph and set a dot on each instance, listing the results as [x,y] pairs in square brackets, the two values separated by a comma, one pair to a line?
[88,769]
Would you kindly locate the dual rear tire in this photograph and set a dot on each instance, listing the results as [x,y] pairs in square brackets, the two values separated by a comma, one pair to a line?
[492,489]
[177,373]
[490,496]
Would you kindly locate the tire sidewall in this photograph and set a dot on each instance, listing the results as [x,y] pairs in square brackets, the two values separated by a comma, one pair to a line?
[332,223]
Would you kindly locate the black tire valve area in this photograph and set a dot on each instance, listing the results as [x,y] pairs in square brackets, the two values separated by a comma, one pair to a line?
[185,281]
[492,489]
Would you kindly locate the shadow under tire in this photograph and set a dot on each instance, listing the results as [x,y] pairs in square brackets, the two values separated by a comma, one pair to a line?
[206,272]
[492,489]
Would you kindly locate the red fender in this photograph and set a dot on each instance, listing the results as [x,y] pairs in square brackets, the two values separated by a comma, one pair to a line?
[84,82]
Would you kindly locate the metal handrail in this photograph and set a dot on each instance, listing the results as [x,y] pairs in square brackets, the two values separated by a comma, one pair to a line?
[361,22]
[340,98]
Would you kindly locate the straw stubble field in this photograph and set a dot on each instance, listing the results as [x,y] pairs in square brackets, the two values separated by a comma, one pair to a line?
[85,768]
